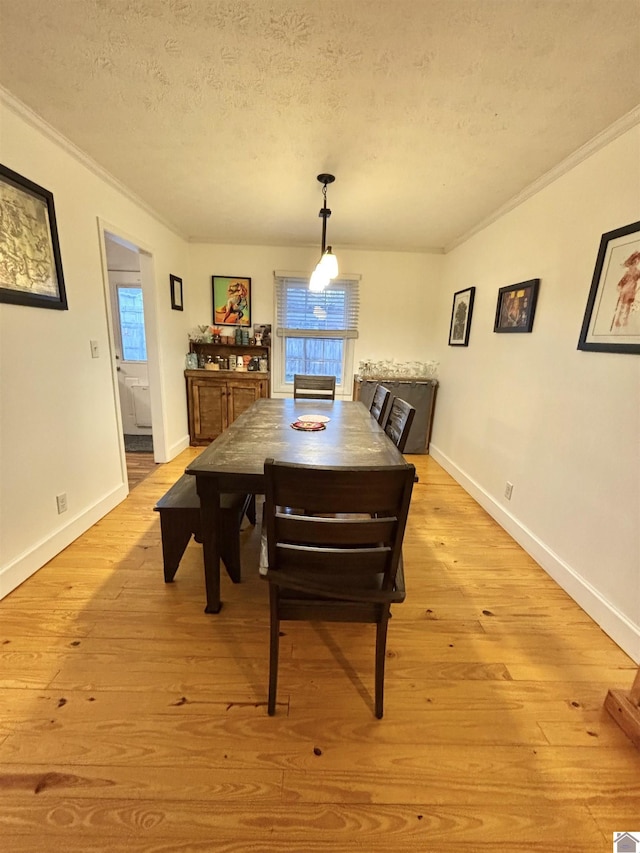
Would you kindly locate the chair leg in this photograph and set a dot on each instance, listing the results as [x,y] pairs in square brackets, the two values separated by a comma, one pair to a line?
[250,511]
[274,648]
[381,650]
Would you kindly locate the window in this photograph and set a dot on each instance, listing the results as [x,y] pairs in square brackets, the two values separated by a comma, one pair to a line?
[131,321]
[315,330]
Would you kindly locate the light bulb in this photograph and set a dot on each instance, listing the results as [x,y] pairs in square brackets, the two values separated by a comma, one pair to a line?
[319,280]
[329,263]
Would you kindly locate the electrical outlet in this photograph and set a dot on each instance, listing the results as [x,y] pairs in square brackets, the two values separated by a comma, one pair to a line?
[95,352]
[508,489]
[61,500]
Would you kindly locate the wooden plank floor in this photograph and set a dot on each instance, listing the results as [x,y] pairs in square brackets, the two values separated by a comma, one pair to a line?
[139,466]
[131,721]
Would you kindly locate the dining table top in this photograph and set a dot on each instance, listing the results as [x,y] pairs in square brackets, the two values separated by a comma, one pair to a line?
[350,437]
[234,462]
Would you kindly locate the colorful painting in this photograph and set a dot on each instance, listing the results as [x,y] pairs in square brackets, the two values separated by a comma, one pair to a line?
[516,306]
[30,263]
[612,317]
[231,300]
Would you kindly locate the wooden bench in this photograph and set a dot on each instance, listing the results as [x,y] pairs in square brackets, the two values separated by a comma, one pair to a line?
[179,512]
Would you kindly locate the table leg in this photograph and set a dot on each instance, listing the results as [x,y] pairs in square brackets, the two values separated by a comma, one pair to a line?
[209,494]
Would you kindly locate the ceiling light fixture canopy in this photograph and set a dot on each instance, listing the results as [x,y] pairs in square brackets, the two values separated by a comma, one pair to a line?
[327,267]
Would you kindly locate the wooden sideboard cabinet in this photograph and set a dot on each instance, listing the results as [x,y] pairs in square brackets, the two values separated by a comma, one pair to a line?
[215,398]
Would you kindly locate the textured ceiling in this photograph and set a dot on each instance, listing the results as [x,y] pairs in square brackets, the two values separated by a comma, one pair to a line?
[219,114]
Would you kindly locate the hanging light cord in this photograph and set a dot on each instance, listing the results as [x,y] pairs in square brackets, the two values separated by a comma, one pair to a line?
[325,213]
[327,267]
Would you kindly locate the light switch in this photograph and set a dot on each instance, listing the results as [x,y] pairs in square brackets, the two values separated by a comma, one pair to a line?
[95,353]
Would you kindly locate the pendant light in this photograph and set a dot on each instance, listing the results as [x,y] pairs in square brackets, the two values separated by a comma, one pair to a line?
[327,267]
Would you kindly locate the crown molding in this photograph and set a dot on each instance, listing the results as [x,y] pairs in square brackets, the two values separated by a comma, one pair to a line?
[622,125]
[30,117]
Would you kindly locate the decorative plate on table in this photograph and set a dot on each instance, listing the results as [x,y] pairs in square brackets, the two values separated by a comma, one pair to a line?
[308,426]
[314,419]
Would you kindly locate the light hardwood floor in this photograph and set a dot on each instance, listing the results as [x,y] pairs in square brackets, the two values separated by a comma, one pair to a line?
[131,721]
[139,466]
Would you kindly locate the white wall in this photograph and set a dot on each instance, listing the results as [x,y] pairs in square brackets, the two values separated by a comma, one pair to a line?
[58,429]
[562,425]
[396,292]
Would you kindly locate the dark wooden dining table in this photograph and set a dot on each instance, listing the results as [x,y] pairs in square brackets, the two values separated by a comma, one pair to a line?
[234,462]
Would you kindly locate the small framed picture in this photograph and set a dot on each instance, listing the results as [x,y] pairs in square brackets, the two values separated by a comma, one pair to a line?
[231,300]
[30,262]
[612,317]
[517,306]
[262,333]
[461,317]
[176,293]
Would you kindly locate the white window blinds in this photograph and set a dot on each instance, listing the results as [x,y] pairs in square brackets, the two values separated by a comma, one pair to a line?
[303,313]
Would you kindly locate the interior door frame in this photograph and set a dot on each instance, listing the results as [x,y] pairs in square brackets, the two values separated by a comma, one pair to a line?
[125,367]
[147,276]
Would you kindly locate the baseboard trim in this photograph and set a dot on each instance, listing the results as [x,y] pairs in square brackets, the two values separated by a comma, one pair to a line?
[176,448]
[15,573]
[614,623]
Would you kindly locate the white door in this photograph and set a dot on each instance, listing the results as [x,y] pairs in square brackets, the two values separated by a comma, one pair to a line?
[130,351]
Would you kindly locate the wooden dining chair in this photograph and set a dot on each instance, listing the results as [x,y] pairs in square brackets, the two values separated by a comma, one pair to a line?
[398,424]
[310,387]
[379,403]
[343,561]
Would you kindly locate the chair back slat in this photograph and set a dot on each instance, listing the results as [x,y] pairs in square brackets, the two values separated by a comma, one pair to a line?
[310,387]
[337,565]
[340,490]
[348,530]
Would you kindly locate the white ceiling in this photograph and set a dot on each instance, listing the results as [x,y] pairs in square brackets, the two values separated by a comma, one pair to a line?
[219,114]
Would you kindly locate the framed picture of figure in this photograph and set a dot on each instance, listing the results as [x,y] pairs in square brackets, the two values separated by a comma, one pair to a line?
[612,317]
[516,306]
[461,313]
[231,300]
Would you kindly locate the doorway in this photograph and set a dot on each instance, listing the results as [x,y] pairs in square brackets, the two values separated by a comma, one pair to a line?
[126,269]
[131,358]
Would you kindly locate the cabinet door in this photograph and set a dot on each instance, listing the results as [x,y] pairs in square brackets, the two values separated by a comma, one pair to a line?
[208,409]
[241,394]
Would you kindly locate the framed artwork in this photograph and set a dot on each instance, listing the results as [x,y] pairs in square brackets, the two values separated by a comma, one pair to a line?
[612,317]
[461,317]
[231,300]
[262,333]
[516,306]
[176,293]
[30,262]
